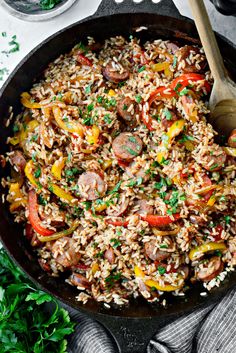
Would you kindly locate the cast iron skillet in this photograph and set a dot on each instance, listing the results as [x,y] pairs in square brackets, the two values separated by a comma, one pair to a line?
[133,326]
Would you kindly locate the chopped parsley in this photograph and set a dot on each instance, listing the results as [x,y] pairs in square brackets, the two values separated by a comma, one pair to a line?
[142,69]
[37,172]
[216,165]
[116,188]
[138,98]
[175,61]
[88,89]
[87,205]
[135,182]
[186,138]
[41,200]
[163,246]
[218,253]
[125,107]
[130,151]
[107,119]
[90,107]
[161,270]
[115,242]
[227,219]
[114,277]
[34,155]
[15,128]
[167,114]
[99,254]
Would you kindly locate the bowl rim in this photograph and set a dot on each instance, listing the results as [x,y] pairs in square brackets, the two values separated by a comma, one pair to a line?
[45,15]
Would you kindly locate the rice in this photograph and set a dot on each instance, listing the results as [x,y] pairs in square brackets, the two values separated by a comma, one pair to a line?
[101,199]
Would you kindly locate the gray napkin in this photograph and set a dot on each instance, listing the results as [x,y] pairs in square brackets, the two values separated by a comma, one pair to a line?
[207,330]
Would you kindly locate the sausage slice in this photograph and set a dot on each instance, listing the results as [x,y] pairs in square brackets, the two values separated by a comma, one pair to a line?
[143,207]
[190,64]
[123,109]
[211,270]
[78,280]
[213,158]
[64,252]
[154,254]
[232,139]
[127,146]
[115,73]
[91,185]
[18,160]
[119,208]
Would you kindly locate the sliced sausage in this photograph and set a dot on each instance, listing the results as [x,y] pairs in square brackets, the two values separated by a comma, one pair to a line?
[91,185]
[172,47]
[116,73]
[211,269]
[119,208]
[232,139]
[143,207]
[64,252]
[127,146]
[197,220]
[123,109]
[18,160]
[53,222]
[78,280]
[154,254]
[213,158]
[109,255]
[190,65]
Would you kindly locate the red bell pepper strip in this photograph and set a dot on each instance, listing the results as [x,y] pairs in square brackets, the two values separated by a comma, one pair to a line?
[34,217]
[159,221]
[83,60]
[217,233]
[184,80]
[159,93]
[118,222]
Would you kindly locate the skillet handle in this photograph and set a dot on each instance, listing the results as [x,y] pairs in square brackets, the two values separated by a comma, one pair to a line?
[130,334]
[163,7]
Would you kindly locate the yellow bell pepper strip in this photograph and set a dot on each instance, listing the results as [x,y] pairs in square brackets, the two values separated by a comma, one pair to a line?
[62,194]
[29,174]
[200,250]
[72,126]
[93,135]
[95,268]
[151,283]
[111,93]
[15,140]
[57,167]
[15,191]
[230,151]
[26,101]
[174,130]
[160,66]
[34,219]
[100,208]
[189,145]
[138,272]
[30,127]
[165,288]
[211,201]
[16,204]
[58,235]
[106,164]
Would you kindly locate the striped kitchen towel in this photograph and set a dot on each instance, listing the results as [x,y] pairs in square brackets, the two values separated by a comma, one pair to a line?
[207,330]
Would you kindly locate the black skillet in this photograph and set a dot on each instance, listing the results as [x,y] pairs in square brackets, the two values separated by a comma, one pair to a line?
[133,326]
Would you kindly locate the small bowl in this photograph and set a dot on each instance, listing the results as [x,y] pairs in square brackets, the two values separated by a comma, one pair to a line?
[30,10]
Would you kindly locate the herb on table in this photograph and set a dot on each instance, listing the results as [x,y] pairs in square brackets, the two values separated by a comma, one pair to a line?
[14,44]
[48,4]
[4,34]
[3,71]
[25,325]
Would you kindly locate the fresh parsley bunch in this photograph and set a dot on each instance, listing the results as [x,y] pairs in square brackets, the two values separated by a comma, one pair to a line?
[25,325]
[48,4]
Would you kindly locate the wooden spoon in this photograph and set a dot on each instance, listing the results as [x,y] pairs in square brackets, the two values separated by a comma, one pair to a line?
[222,101]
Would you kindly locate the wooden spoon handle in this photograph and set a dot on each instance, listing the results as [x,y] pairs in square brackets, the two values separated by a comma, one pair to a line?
[208,39]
